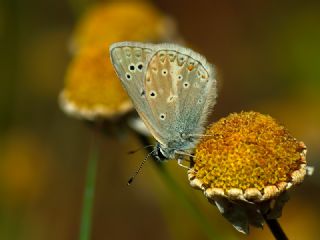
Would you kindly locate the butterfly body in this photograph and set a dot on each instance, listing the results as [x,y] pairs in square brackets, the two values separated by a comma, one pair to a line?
[174,148]
[172,89]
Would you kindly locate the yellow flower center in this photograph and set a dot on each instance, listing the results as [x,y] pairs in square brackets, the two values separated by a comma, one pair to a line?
[246,150]
[91,81]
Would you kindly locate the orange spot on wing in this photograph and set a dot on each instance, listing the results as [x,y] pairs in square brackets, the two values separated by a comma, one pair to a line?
[190,67]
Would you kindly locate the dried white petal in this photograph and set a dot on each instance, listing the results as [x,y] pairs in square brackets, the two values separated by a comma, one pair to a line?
[310,170]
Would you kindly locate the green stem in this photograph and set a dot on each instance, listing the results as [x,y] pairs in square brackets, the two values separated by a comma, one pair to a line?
[88,197]
[184,199]
[276,229]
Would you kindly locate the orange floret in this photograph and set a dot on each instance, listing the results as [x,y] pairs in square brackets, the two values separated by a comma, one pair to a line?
[247,150]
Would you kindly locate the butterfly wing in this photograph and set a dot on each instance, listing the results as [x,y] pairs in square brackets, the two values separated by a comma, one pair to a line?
[180,88]
[171,87]
[130,60]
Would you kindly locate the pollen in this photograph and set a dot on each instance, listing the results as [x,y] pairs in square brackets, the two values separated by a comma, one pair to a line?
[246,151]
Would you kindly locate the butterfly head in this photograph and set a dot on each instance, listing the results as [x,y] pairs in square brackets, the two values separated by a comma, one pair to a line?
[162,153]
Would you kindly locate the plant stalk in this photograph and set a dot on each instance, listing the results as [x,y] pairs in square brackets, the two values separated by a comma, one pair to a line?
[276,229]
[88,197]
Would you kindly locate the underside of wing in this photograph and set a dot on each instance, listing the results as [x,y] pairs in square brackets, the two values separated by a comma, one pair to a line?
[130,60]
[180,88]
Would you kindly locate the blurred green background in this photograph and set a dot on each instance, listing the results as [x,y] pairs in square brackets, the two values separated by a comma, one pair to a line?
[268,57]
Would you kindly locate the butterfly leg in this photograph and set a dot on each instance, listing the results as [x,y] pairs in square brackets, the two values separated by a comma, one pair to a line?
[181,165]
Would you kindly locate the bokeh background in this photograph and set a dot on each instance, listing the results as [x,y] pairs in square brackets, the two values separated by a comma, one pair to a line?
[268,57]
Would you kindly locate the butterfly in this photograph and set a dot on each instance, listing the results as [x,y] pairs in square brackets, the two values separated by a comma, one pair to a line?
[172,88]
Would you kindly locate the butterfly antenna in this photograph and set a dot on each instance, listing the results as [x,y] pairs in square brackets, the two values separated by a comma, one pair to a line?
[138,149]
[141,165]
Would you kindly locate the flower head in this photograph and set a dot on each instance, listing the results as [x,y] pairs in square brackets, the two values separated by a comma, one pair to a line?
[92,89]
[247,157]
[119,21]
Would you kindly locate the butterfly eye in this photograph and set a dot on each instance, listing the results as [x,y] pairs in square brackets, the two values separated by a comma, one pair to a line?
[128,76]
[162,116]
[131,68]
[180,77]
[140,66]
[164,72]
[186,84]
[199,101]
[153,94]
